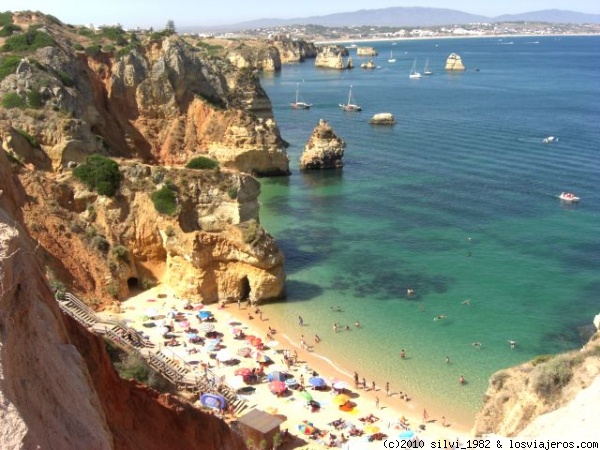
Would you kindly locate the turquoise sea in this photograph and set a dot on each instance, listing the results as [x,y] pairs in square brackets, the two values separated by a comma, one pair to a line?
[457,201]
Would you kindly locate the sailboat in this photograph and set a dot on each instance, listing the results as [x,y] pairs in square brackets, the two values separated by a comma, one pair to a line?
[427,70]
[350,106]
[299,104]
[392,59]
[413,72]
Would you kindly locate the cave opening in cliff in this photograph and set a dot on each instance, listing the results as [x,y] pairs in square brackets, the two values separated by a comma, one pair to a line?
[132,284]
[245,289]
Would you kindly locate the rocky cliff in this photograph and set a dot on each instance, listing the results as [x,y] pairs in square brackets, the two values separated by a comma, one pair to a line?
[366,51]
[324,149]
[294,50]
[57,385]
[157,99]
[332,57]
[527,399]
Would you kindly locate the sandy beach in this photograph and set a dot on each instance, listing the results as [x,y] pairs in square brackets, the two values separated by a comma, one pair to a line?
[161,305]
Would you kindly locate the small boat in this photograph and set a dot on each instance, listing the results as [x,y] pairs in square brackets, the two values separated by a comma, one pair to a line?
[350,106]
[568,197]
[413,72]
[549,139]
[392,59]
[427,70]
[299,104]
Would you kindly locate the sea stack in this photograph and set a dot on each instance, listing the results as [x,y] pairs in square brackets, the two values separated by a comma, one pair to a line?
[454,62]
[383,119]
[324,150]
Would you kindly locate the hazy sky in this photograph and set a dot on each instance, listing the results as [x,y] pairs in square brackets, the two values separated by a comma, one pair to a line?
[210,12]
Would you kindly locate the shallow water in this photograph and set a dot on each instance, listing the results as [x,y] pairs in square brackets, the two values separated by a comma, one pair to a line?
[458,201]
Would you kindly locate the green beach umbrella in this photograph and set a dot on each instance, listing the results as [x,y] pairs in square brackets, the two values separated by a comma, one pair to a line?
[306,395]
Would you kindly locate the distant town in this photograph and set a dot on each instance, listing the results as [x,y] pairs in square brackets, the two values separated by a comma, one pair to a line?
[322,33]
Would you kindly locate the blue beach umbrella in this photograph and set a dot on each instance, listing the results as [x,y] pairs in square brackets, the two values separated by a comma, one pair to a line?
[316,382]
[276,376]
[204,314]
[407,434]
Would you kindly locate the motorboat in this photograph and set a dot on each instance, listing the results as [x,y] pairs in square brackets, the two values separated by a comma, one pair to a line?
[350,106]
[298,104]
[568,197]
[549,139]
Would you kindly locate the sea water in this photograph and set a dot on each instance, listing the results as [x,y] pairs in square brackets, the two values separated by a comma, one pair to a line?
[457,201]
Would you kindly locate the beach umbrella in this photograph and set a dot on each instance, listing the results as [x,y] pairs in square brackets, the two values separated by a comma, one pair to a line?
[236,330]
[291,383]
[306,428]
[407,434]
[204,314]
[243,371]
[224,355]
[371,429]
[340,385]
[184,324]
[276,376]
[341,399]
[206,327]
[256,342]
[262,358]
[249,337]
[305,395]
[271,410]
[277,387]
[244,352]
[316,382]
[191,335]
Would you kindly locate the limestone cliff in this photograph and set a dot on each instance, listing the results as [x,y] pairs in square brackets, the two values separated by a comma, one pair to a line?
[265,58]
[294,50]
[57,385]
[454,62]
[157,100]
[332,57]
[524,400]
[324,150]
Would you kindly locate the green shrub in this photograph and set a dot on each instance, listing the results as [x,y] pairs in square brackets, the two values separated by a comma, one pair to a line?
[34,99]
[120,251]
[87,32]
[13,100]
[134,367]
[28,42]
[5,18]
[93,50]
[100,243]
[77,46]
[540,359]
[108,48]
[31,139]
[9,29]
[100,174]
[9,65]
[232,192]
[165,201]
[550,377]
[65,78]
[202,162]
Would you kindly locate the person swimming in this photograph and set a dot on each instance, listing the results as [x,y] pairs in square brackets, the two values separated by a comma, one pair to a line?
[476,344]
[440,317]
[466,302]
[512,343]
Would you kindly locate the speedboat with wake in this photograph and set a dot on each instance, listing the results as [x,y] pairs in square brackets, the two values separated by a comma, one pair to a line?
[549,139]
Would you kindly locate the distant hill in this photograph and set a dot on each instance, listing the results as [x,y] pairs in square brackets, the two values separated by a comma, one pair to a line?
[415,17]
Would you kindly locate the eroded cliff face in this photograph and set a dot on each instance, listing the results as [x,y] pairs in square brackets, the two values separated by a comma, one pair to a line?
[160,102]
[58,388]
[295,51]
[332,57]
[524,400]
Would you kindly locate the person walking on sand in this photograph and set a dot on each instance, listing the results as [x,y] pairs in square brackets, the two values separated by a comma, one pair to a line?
[373,385]
[461,380]
[239,302]
[300,321]
[425,415]
[403,354]
[364,383]
[376,402]
[387,388]
[317,339]
[356,380]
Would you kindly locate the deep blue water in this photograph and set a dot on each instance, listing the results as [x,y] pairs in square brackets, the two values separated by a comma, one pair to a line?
[458,201]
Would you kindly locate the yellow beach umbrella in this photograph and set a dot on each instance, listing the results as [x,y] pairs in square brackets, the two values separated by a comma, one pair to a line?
[371,429]
[341,399]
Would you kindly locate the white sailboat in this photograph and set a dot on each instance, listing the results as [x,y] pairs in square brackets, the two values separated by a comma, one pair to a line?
[350,106]
[427,70]
[392,59]
[298,104]
[413,72]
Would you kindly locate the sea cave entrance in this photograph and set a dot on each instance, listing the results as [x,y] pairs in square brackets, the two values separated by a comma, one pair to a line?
[133,284]
[245,289]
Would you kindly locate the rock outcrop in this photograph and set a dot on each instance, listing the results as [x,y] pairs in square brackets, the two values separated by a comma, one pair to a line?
[454,62]
[383,119]
[160,101]
[264,58]
[517,396]
[295,50]
[366,51]
[58,388]
[332,57]
[324,150]
[370,64]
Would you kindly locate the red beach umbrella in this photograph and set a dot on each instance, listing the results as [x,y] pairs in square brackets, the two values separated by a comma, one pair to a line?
[243,371]
[277,387]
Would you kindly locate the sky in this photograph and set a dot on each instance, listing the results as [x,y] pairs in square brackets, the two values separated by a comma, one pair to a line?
[155,13]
